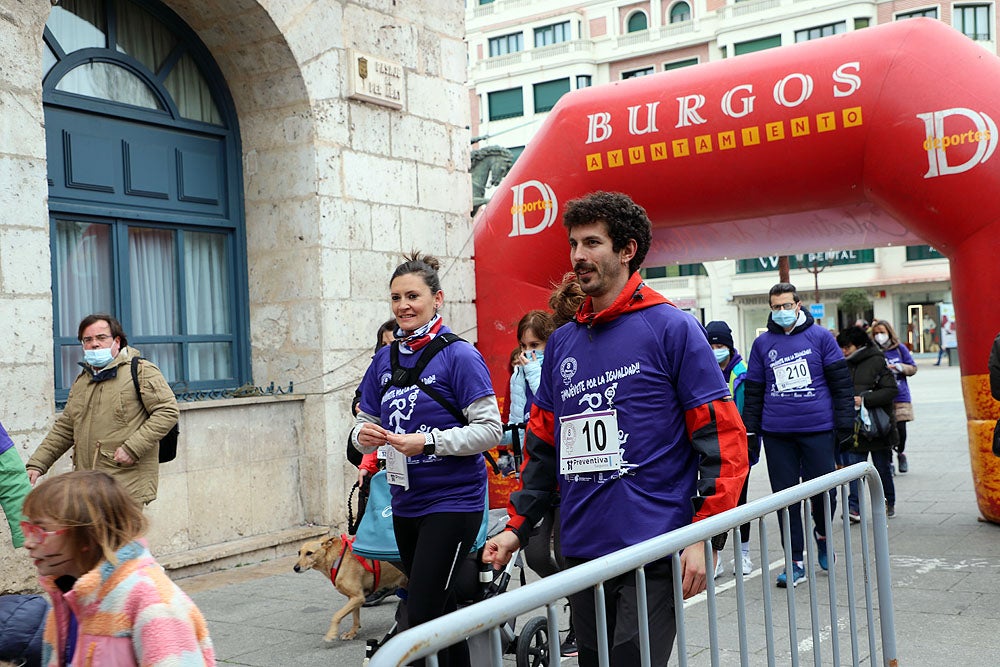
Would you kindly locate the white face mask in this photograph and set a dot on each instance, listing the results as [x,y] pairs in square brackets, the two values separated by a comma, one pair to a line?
[881,338]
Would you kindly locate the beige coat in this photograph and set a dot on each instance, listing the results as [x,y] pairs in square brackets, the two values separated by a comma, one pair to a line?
[99,417]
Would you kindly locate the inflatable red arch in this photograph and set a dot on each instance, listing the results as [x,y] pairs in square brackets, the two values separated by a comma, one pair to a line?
[882,136]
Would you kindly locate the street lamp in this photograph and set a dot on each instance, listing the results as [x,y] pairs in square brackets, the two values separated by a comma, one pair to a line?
[816,268]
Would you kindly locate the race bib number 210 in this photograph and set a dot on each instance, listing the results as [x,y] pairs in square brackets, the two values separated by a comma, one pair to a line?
[589,443]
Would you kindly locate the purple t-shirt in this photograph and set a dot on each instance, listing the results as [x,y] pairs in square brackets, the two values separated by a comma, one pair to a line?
[791,368]
[437,483]
[651,366]
[5,441]
[897,355]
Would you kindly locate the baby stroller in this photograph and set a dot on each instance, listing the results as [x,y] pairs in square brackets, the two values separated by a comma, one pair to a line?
[474,581]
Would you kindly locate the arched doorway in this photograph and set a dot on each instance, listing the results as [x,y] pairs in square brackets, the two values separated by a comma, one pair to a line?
[145,194]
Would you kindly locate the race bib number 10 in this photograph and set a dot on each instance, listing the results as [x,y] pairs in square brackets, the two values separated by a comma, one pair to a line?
[589,443]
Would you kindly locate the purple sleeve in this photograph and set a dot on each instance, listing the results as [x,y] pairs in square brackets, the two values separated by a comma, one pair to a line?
[755,365]
[905,356]
[470,378]
[698,378]
[371,387]
[831,351]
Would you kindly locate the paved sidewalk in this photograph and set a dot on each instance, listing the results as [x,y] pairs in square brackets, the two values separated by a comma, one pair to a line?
[945,566]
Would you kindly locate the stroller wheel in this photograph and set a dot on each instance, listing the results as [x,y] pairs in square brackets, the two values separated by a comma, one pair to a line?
[532,645]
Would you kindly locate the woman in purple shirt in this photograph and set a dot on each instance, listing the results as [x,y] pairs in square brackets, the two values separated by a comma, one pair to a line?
[901,363]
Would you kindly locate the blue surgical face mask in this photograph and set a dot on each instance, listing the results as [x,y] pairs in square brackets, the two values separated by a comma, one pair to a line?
[785,318]
[721,353]
[98,358]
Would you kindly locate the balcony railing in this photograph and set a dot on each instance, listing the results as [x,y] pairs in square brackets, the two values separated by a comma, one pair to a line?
[537,54]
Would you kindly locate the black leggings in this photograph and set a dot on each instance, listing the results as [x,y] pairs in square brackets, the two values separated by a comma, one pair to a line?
[901,429]
[431,547]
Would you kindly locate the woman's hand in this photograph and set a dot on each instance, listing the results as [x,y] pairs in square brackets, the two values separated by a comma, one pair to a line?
[372,435]
[409,444]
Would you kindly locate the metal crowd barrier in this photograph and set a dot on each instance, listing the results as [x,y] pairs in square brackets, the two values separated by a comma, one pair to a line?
[838,623]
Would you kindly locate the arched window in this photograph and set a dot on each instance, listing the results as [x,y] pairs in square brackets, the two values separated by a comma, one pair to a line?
[680,12]
[145,192]
[637,22]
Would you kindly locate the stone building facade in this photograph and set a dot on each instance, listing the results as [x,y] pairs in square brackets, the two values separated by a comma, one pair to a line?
[328,192]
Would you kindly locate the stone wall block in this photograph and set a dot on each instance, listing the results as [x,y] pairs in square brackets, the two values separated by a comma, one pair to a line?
[23,183]
[429,97]
[447,19]
[429,52]
[335,275]
[314,30]
[22,129]
[422,140]
[462,279]
[291,223]
[345,223]
[273,508]
[443,190]
[324,76]
[282,174]
[170,514]
[28,400]
[24,260]
[231,512]
[381,36]
[331,121]
[291,274]
[369,127]
[454,56]
[380,180]
[386,226]
[370,277]
[423,230]
[461,149]
[458,234]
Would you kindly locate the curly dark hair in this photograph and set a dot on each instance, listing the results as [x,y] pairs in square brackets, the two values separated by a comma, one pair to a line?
[565,299]
[623,217]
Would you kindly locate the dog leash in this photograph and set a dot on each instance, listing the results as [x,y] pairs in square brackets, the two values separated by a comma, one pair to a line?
[374,566]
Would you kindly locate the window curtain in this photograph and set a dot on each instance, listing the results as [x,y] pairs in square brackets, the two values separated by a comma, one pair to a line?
[206,279]
[84,282]
[153,287]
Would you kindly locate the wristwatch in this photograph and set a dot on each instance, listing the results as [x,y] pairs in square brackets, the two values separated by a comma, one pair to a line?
[429,444]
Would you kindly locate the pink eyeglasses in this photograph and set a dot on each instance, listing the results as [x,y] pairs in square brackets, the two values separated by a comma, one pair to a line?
[38,533]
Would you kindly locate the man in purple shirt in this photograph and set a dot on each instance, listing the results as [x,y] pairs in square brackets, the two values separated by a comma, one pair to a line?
[799,397]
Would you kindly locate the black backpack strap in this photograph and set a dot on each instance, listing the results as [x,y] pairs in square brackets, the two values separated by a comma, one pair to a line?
[406,377]
[135,382]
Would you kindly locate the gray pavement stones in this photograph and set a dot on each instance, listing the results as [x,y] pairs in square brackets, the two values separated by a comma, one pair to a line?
[945,566]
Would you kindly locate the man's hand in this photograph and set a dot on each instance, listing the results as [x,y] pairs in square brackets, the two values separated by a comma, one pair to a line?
[500,547]
[124,458]
[33,475]
[693,569]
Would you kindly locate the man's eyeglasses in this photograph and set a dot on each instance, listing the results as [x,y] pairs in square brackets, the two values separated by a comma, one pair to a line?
[37,533]
[100,338]
[783,306]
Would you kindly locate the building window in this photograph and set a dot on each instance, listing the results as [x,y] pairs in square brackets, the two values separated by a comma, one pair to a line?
[680,12]
[146,213]
[820,31]
[637,22]
[552,34]
[501,46]
[930,13]
[919,252]
[673,271]
[631,74]
[678,64]
[584,81]
[506,104]
[762,44]
[861,23]
[973,21]
[548,93]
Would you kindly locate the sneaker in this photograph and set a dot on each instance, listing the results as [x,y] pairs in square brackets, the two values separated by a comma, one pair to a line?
[798,576]
[718,568]
[377,597]
[854,515]
[747,564]
[568,648]
[821,551]
[903,465]
[890,511]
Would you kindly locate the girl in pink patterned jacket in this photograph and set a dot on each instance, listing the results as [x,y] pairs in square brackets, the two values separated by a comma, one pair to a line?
[112,603]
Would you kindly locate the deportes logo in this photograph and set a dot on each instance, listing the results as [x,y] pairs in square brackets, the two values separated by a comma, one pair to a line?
[568,369]
[534,208]
[969,139]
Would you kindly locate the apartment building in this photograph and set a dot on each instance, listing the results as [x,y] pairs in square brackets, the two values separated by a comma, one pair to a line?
[524,55]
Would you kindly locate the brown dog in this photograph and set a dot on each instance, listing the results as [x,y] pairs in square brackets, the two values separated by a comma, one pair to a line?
[352,577]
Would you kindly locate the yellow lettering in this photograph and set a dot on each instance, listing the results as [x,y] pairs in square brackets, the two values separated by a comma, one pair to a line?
[826,122]
[681,148]
[615,159]
[727,140]
[703,144]
[852,117]
[800,126]
[594,162]
[658,151]
[636,155]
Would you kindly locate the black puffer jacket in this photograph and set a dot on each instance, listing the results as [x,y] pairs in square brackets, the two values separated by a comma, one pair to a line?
[22,620]
[874,382]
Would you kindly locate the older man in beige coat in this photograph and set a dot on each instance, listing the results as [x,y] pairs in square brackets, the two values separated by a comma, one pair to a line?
[108,425]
